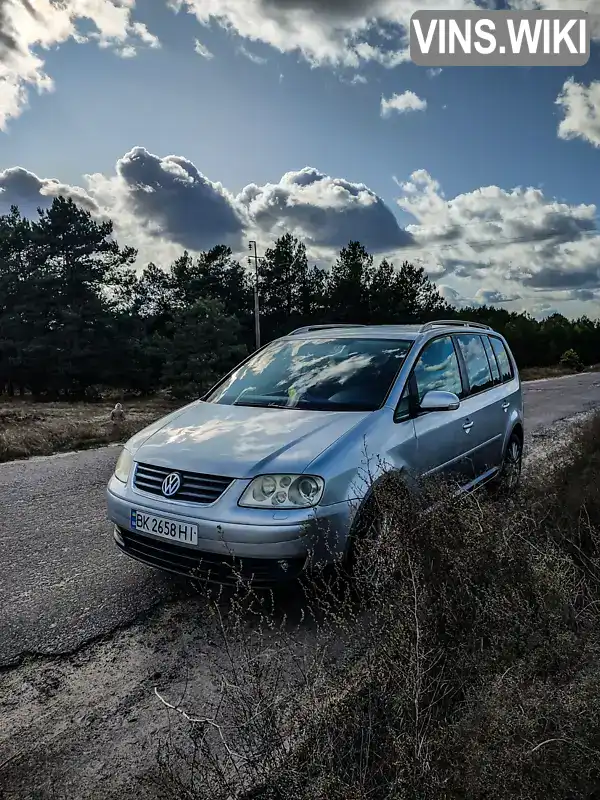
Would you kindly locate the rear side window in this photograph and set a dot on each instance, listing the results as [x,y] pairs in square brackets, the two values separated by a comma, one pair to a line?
[491,359]
[503,359]
[476,362]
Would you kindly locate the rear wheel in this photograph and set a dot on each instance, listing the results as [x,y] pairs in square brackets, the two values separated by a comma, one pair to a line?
[509,479]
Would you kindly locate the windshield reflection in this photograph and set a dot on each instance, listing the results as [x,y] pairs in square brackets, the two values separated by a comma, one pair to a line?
[348,374]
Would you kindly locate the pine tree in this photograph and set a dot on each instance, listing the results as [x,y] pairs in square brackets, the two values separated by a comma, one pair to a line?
[349,284]
[77,274]
[204,343]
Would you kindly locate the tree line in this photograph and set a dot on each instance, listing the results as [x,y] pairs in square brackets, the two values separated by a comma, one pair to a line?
[77,316]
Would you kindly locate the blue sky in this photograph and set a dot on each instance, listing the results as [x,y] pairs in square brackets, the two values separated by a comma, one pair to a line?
[244,121]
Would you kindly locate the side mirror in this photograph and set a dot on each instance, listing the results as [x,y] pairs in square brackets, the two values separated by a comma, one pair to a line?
[439,401]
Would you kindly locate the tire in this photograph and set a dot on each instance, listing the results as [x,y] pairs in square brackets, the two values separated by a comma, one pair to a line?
[509,479]
[366,518]
[372,522]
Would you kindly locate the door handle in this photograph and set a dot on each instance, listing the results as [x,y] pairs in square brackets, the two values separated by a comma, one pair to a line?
[467,426]
[506,405]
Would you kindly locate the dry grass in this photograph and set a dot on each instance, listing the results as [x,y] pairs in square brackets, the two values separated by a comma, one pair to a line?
[38,429]
[536,373]
[462,661]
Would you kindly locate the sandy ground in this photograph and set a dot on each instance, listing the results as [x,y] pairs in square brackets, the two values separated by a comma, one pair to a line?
[86,724]
[545,446]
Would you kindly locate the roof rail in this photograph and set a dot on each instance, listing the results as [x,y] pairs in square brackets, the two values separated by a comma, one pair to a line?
[308,328]
[460,323]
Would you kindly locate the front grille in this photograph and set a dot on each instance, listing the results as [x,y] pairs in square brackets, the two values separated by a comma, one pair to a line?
[207,566]
[195,487]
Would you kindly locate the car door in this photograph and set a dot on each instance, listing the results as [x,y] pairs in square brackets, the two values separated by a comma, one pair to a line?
[482,405]
[510,396]
[441,437]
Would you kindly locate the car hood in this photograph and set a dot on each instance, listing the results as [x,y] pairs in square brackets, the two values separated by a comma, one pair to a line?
[240,441]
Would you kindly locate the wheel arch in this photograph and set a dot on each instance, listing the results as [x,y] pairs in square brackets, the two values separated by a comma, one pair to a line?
[519,431]
[362,506]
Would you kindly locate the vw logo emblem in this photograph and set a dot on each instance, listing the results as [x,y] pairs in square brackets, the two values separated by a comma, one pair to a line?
[171,484]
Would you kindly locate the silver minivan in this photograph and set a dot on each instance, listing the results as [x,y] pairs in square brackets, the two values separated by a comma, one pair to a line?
[269,469]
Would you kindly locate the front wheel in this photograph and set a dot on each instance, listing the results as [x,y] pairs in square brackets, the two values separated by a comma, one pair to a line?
[509,478]
[371,526]
[376,536]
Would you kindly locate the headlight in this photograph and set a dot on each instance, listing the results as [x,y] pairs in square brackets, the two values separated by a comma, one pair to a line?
[124,465]
[283,491]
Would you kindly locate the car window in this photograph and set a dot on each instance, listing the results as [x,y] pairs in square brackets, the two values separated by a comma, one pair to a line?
[337,374]
[503,359]
[476,362]
[491,359]
[437,369]
[403,408]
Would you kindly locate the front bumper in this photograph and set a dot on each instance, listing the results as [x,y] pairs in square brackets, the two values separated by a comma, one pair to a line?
[268,549]
[204,565]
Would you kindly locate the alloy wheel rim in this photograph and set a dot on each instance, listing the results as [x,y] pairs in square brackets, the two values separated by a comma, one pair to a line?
[512,464]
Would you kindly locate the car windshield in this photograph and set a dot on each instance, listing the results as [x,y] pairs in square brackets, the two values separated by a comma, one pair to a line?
[345,374]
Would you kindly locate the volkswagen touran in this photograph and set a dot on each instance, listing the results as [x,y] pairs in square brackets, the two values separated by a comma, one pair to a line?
[268,470]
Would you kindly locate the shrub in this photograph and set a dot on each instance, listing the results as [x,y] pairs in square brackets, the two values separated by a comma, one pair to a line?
[571,360]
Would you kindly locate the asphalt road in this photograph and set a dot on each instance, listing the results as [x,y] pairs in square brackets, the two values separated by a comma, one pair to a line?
[63,582]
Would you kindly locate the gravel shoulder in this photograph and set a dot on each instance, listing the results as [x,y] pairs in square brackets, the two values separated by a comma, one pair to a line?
[66,584]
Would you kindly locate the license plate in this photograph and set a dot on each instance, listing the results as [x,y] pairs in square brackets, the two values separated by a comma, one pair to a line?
[183,532]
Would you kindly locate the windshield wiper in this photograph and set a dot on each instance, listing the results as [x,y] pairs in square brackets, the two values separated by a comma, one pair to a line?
[257,404]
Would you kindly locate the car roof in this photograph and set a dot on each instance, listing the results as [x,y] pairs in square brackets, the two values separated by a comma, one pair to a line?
[366,331]
[392,331]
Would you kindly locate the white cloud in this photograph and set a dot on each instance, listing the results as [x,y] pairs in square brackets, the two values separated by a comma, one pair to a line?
[170,199]
[28,28]
[140,30]
[339,32]
[402,103]
[24,189]
[581,108]
[127,52]
[324,211]
[592,7]
[251,56]
[515,238]
[494,297]
[541,311]
[166,199]
[434,72]
[202,50]
[334,32]
[482,297]
[452,296]
[326,32]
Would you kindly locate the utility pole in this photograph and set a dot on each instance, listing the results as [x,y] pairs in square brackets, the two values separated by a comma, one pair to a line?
[251,247]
